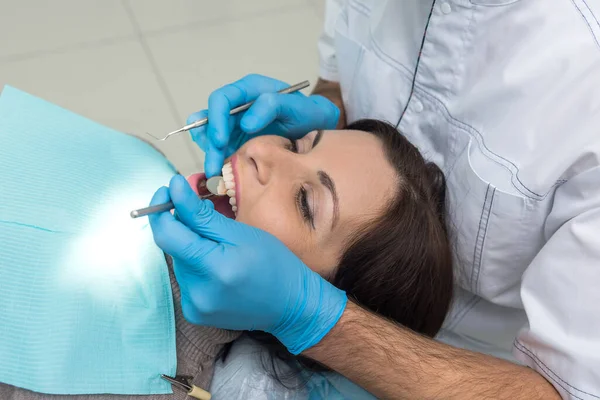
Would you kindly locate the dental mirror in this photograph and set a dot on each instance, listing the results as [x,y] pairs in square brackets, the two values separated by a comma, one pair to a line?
[216,185]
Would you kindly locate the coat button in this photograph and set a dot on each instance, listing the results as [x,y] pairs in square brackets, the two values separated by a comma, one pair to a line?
[446,8]
[418,106]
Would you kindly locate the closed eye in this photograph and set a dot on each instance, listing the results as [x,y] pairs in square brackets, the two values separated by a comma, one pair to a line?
[302,202]
[292,146]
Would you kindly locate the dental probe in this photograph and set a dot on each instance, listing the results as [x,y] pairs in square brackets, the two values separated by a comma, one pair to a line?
[204,121]
[212,184]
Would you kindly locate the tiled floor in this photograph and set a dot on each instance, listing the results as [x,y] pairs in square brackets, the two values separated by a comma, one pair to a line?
[143,65]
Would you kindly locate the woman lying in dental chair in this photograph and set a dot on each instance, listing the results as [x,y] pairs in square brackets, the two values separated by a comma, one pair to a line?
[376,231]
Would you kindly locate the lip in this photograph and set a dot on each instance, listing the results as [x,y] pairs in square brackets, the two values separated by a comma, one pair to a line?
[195,181]
[234,160]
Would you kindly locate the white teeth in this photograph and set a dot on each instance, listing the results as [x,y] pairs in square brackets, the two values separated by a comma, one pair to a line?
[229,185]
[221,189]
[228,176]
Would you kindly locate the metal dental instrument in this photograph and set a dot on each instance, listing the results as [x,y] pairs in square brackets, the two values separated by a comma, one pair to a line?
[211,184]
[182,382]
[204,121]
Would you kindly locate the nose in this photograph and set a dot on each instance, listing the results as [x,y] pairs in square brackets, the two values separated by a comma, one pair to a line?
[270,159]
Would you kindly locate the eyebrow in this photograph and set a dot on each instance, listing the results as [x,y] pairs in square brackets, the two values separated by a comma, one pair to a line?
[317,138]
[328,183]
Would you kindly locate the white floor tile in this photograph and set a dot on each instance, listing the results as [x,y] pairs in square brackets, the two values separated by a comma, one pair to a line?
[197,61]
[112,85]
[29,26]
[156,15]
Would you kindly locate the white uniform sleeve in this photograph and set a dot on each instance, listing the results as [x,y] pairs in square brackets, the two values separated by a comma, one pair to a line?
[561,293]
[328,68]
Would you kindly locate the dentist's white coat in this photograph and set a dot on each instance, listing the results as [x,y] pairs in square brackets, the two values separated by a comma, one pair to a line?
[507,102]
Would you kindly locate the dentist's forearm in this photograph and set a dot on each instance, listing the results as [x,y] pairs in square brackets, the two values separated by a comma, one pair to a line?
[393,362]
[333,92]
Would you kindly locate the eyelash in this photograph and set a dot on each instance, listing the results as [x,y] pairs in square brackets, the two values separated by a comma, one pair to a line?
[302,201]
[302,195]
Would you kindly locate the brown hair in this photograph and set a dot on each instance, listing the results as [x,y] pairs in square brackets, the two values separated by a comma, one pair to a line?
[400,265]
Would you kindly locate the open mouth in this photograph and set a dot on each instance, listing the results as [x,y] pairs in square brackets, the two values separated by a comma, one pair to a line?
[226,205]
[198,184]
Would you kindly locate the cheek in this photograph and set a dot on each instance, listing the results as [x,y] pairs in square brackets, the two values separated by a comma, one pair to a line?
[278,220]
[282,222]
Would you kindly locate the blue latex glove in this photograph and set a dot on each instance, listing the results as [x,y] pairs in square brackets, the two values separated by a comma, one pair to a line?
[235,276]
[290,115]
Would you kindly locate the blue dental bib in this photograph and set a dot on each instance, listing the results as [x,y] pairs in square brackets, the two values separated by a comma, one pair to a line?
[85,298]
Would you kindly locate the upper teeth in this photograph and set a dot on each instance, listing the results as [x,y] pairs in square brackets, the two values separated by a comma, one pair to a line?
[221,190]
[228,184]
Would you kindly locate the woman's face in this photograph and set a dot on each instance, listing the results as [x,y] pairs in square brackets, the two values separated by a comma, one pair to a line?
[312,194]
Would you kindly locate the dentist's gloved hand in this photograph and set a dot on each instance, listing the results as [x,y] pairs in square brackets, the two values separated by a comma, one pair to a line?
[290,115]
[235,276]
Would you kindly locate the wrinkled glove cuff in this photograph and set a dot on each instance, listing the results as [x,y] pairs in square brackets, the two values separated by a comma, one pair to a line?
[314,314]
